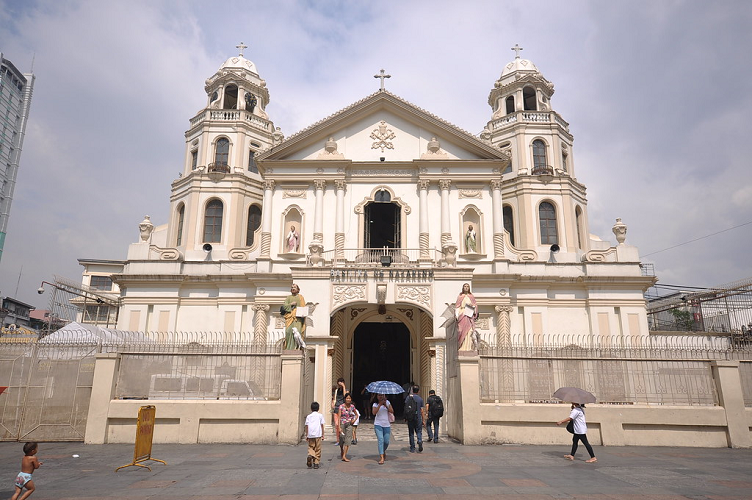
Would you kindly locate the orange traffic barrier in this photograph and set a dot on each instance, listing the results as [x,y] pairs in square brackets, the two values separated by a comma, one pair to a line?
[144,435]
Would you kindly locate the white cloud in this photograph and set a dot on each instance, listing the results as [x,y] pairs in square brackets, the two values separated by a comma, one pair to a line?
[655,95]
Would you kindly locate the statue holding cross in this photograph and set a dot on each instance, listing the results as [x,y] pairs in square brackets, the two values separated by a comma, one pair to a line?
[382,75]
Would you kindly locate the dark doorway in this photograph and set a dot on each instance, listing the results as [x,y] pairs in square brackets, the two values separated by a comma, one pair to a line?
[381,351]
[382,227]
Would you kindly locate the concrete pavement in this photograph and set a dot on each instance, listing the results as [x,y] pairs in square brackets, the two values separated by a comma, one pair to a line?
[446,469]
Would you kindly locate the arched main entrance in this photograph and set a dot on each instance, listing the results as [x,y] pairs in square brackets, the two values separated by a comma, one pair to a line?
[381,351]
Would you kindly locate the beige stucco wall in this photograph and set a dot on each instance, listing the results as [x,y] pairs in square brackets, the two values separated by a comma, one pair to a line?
[466,418]
[197,421]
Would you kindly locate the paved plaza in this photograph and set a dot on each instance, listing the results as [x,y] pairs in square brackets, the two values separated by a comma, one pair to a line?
[446,469]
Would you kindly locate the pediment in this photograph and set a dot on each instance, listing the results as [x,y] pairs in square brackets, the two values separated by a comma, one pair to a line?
[383,126]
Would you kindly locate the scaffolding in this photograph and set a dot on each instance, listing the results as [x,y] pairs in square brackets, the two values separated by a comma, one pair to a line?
[71,301]
[722,310]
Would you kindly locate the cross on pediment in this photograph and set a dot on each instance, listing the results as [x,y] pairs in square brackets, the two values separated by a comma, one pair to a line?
[241,48]
[516,50]
[382,75]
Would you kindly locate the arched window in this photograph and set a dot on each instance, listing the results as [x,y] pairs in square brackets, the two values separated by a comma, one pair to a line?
[231,97]
[528,98]
[578,223]
[382,196]
[547,215]
[213,222]
[254,222]
[252,167]
[539,156]
[508,221]
[510,104]
[181,219]
[222,153]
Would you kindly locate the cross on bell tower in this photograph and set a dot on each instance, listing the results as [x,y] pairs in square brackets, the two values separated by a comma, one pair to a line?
[516,50]
[382,75]
[241,48]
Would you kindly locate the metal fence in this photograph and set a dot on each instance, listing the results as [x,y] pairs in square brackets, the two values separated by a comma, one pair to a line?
[198,365]
[657,370]
[692,346]
[49,387]
[745,374]
[614,381]
[254,375]
[50,381]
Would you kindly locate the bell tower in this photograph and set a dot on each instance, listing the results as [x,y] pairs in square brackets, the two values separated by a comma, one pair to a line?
[216,203]
[233,127]
[544,206]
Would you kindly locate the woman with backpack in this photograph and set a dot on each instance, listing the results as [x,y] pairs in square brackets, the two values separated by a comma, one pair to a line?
[579,432]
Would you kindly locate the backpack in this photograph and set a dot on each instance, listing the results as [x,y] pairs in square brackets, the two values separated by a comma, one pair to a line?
[436,407]
[411,408]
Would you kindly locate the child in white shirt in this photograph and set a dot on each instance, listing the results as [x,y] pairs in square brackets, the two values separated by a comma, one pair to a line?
[314,431]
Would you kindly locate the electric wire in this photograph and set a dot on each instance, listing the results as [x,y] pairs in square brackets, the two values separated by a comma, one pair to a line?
[698,239]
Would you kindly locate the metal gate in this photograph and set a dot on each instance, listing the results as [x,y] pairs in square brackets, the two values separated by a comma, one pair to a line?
[49,387]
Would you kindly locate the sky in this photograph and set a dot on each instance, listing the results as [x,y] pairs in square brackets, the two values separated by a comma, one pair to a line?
[657,95]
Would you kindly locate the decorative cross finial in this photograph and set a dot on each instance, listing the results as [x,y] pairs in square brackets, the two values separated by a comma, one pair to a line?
[241,47]
[517,50]
[382,75]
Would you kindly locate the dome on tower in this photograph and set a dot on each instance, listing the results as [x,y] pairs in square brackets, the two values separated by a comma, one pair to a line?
[239,62]
[518,65]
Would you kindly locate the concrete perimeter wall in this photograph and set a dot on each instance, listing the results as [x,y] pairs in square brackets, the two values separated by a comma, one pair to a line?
[467,420]
[726,425]
[197,421]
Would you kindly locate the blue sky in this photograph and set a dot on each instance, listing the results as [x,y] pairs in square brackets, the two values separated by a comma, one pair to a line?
[656,94]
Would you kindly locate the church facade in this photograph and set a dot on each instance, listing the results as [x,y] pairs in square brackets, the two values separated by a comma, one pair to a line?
[380,213]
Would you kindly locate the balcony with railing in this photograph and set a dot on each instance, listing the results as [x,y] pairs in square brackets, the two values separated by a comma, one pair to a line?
[219,167]
[530,117]
[381,257]
[229,115]
[542,170]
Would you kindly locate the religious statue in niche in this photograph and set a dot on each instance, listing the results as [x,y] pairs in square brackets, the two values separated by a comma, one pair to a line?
[471,245]
[250,102]
[466,312]
[293,240]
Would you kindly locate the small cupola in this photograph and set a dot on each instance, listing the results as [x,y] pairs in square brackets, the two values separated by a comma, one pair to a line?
[521,87]
[238,86]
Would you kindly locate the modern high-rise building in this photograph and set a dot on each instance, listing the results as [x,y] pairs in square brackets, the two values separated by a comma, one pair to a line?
[15,100]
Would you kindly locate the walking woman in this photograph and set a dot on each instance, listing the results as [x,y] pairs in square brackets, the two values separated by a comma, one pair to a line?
[347,416]
[382,424]
[577,416]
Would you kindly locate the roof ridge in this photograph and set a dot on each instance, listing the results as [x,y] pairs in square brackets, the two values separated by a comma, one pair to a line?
[371,96]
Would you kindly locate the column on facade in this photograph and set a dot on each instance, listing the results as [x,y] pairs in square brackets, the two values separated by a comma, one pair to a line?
[423,224]
[504,341]
[318,217]
[498,219]
[260,326]
[260,323]
[266,221]
[446,233]
[503,326]
[339,224]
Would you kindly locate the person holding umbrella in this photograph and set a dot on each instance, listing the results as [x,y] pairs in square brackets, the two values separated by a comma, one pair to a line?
[382,424]
[577,416]
[383,413]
